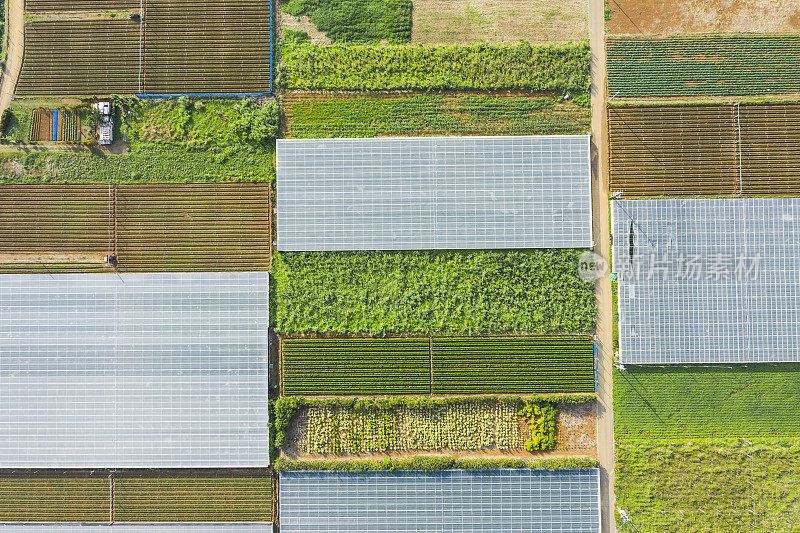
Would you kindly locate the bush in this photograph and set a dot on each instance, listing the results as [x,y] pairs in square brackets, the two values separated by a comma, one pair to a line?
[358,21]
[541,417]
[552,67]
[532,291]
[433,463]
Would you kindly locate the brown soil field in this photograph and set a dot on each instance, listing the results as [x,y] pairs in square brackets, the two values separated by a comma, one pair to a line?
[659,17]
[164,227]
[470,21]
[705,150]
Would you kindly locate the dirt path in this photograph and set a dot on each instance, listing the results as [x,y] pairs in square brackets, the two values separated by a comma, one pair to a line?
[605,414]
[16,46]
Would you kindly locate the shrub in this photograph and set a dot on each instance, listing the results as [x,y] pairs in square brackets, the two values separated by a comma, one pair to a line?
[541,417]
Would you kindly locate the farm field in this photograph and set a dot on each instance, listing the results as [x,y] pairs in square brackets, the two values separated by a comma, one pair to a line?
[697,65]
[454,425]
[193,499]
[439,365]
[54,499]
[61,57]
[80,5]
[536,291]
[561,67]
[761,400]
[707,486]
[167,50]
[174,227]
[660,17]
[685,150]
[136,499]
[312,115]
[468,21]
[512,365]
[355,367]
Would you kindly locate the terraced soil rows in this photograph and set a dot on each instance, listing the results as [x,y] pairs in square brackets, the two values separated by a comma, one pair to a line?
[513,365]
[54,499]
[354,367]
[80,5]
[206,46]
[193,499]
[723,65]
[177,227]
[442,365]
[168,227]
[80,58]
[696,150]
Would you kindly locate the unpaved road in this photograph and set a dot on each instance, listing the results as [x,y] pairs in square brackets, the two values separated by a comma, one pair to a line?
[605,418]
[16,46]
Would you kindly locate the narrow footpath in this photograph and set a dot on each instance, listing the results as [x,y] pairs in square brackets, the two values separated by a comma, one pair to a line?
[600,223]
[16,50]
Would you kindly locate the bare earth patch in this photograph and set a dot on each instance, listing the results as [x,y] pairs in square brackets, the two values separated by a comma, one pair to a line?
[654,17]
[470,21]
[303,23]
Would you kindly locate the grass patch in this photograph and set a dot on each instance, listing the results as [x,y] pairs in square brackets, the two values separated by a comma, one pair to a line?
[553,67]
[711,486]
[678,402]
[433,114]
[535,291]
[357,21]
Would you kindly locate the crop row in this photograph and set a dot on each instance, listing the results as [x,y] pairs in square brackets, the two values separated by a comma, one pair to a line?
[136,499]
[723,65]
[748,149]
[312,115]
[80,5]
[150,227]
[439,365]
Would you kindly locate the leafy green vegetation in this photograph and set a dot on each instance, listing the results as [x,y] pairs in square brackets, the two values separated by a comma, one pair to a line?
[678,402]
[434,463]
[686,65]
[541,418]
[531,291]
[357,21]
[433,114]
[709,486]
[561,67]
[171,140]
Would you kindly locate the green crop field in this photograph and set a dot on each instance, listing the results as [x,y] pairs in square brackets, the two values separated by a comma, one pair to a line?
[562,67]
[313,115]
[460,365]
[709,486]
[689,65]
[677,402]
[534,291]
[193,499]
[516,365]
[708,449]
[40,499]
[355,367]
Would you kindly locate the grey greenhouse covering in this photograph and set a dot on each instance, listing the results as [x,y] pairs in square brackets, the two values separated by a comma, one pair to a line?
[450,501]
[708,280]
[434,193]
[133,370]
